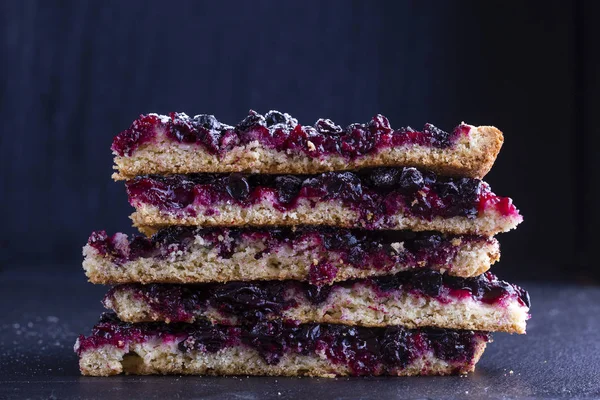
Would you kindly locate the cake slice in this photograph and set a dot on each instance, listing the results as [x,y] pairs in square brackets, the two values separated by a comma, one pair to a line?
[277,144]
[275,348]
[320,255]
[413,300]
[381,198]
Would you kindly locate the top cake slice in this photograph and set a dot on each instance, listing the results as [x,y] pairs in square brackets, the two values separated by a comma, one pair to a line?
[276,144]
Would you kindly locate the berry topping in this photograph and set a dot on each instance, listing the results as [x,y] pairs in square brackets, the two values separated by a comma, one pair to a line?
[381,123]
[277,119]
[249,301]
[437,136]
[207,122]
[182,129]
[281,132]
[385,178]
[398,346]
[237,187]
[288,187]
[327,126]
[141,131]
[208,339]
[228,141]
[253,120]
[411,180]
[344,185]
[358,140]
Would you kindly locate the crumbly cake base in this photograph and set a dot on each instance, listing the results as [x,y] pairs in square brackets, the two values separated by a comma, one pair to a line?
[157,357]
[358,305]
[202,263]
[472,156]
[148,219]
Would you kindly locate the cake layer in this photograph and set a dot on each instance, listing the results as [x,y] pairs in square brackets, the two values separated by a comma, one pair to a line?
[276,143]
[320,255]
[275,348]
[413,300]
[381,198]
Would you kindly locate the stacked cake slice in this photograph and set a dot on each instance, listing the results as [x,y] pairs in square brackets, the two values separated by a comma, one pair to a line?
[273,248]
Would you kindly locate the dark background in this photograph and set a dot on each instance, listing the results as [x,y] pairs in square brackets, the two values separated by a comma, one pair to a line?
[75,73]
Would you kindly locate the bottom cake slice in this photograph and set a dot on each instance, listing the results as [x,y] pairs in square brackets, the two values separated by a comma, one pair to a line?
[275,348]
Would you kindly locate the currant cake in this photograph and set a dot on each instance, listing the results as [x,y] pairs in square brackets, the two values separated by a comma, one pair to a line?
[275,348]
[320,255]
[413,300]
[273,248]
[380,198]
[276,144]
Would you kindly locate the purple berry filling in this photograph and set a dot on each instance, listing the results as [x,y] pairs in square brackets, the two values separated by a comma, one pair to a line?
[380,250]
[374,193]
[281,132]
[365,351]
[257,301]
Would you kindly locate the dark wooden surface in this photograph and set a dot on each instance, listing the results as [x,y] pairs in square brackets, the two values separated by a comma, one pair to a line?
[75,73]
[558,358]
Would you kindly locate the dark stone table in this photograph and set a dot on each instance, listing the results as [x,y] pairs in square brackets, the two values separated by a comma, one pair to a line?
[43,311]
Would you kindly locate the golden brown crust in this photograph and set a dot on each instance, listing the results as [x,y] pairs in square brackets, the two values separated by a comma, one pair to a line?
[472,156]
[148,219]
[162,359]
[358,305]
[203,264]
[491,145]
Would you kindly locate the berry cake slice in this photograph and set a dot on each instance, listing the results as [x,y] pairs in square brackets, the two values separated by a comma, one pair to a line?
[320,255]
[277,144]
[275,348]
[380,198]
[413,300]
